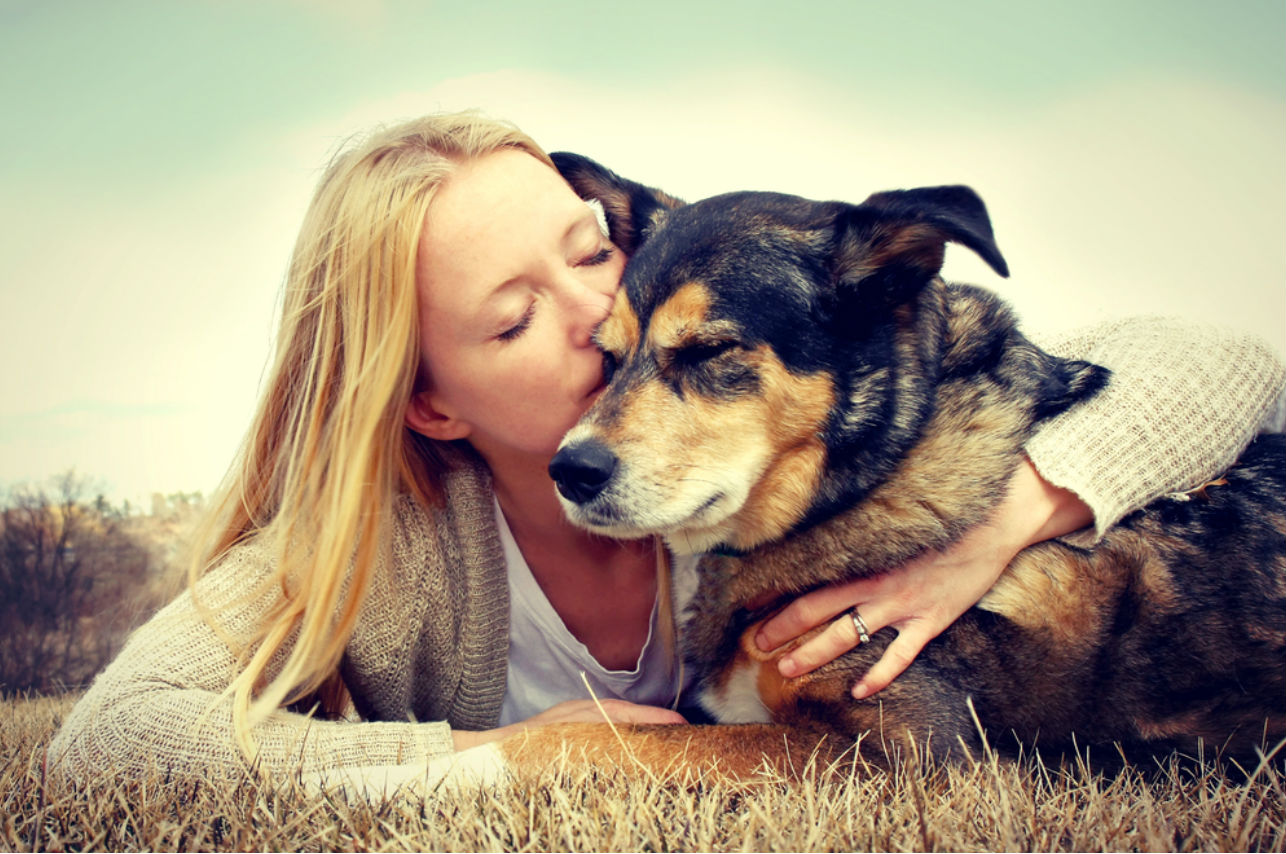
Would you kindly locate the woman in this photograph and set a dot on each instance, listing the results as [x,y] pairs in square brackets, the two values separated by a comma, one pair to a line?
[389,552]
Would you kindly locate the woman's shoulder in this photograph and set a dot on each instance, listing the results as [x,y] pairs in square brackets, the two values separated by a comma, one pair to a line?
[444,570]
[421,536]
[463,503]
[457,533]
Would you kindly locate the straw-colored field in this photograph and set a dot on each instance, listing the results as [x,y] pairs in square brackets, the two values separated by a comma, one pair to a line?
[991,805]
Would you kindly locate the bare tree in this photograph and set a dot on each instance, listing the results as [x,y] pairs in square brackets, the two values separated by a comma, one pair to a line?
[68,574]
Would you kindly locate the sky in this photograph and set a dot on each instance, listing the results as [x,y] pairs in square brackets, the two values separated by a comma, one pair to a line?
[158,156]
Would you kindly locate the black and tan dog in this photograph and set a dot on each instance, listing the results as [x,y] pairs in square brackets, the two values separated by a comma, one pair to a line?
[795,392]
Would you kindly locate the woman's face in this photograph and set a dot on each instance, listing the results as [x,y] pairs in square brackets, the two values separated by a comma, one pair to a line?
[513,276]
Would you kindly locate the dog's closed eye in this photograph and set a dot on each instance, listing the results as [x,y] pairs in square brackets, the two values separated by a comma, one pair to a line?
[697,353]
[610,364]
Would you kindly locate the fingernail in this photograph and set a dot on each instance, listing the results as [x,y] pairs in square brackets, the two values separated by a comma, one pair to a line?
[859,691]
[761,641]
[787,667]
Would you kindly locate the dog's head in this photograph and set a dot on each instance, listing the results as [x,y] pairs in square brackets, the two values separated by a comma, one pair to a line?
[756,338]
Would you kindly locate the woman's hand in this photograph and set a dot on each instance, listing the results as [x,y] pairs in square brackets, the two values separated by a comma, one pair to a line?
[925,595]
[573,711]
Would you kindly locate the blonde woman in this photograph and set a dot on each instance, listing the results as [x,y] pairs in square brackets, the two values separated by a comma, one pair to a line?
[387,577]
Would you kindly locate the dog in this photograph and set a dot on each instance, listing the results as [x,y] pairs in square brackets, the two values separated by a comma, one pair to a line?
[793,391]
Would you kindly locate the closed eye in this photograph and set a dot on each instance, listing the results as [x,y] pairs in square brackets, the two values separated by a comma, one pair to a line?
[602,256]
[523,324]
[698,353]
[610,364]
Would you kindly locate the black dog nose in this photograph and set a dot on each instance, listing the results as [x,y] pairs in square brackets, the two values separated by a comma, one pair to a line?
[582,470]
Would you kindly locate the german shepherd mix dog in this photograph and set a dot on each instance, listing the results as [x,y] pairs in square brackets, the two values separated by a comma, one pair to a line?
[793,391]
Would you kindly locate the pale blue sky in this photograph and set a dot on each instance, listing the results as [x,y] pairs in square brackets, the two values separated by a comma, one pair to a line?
[157,157]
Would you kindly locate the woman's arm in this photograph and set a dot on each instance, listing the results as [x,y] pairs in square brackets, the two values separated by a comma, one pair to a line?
[160,706]
[1184,401]
[928,593]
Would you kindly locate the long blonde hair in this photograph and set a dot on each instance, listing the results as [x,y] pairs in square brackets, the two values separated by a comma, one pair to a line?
[328,452]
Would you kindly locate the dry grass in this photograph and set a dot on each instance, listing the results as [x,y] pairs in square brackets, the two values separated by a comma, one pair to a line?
[988,806]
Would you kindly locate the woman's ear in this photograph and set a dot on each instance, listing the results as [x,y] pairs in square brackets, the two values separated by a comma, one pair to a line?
[423,418]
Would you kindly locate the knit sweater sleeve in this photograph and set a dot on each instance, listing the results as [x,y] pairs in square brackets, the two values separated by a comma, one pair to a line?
[1184,401]
[160,706]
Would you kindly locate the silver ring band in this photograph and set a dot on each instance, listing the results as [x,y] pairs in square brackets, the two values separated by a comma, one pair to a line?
[859,625]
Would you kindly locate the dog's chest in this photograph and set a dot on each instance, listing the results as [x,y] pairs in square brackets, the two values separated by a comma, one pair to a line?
[735,698]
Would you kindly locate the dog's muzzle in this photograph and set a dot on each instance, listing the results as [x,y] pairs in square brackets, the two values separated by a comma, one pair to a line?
[582,470]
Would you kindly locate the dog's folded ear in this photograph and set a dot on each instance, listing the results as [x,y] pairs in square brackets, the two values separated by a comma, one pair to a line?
[632,209]
[895,242]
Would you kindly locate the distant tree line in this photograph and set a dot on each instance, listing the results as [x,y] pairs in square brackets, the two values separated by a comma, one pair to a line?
[73,580]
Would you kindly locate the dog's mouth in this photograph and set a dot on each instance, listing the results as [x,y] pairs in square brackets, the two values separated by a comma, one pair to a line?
[693,531]
[603,493]
[623,512]
[709,502]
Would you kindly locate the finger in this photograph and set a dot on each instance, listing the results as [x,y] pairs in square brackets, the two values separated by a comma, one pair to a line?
[809,611]
[837,638]
[897,657]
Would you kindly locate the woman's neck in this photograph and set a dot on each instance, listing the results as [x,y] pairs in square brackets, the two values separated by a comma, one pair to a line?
[579,571]
[530,504]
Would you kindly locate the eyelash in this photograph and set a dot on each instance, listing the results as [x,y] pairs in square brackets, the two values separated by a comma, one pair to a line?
[602,256]
[520,327]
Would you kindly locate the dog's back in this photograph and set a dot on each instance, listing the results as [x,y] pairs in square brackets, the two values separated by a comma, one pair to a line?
[1170,630]
[1169,634]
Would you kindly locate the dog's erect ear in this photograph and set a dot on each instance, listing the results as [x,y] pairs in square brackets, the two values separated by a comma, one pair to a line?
[894,242]
[632,209]
[956,212]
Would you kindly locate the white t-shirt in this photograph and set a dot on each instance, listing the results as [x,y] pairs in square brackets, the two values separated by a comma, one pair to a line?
[546,661]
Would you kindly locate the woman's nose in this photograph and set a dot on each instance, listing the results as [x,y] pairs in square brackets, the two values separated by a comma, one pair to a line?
[588,308]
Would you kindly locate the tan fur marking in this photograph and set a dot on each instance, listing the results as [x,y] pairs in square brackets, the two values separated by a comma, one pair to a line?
[676,322]
[619,332]
[767,441]
[1156,581]
[795,409]
[1198,724]
[1058,594]
[1200,491]
[921,244]
[776,692]
[1044,590]
[773,688]
[922,241]
[959,443]
[1180,725]
[680,754]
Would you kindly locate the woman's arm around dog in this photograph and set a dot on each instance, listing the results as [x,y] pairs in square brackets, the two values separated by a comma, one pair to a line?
[1184,401]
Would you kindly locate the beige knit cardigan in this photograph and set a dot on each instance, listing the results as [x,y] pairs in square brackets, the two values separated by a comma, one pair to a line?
[429,649]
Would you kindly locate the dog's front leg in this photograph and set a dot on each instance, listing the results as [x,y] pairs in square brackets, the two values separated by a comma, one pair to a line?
[682,755]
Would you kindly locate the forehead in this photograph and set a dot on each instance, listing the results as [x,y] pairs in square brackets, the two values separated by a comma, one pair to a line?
[754,261]
[687,317]
[747,235]
[488,218]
